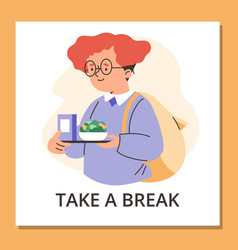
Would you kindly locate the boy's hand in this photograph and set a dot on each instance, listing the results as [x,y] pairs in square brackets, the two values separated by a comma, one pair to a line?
[112,144]
[56,146]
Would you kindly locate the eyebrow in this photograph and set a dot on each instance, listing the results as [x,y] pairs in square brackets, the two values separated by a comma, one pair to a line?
[106,64]
[91,64]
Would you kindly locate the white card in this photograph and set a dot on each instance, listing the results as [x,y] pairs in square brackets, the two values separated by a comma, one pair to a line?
[65,125]
[187,63]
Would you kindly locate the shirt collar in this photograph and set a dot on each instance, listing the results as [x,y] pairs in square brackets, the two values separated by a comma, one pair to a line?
[121,98]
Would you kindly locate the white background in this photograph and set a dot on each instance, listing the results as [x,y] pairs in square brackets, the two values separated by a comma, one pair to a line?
[41,59]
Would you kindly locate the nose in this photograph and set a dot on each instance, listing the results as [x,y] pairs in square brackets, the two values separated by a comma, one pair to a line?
[97,70]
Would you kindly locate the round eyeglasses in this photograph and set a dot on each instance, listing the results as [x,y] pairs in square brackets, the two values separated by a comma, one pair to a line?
[90,68]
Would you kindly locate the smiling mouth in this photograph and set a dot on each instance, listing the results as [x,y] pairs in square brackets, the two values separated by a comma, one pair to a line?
[100,80]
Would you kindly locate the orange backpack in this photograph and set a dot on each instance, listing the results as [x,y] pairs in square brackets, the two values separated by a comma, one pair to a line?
[172,157]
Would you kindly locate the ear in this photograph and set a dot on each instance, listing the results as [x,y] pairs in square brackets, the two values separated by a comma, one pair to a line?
[127,74]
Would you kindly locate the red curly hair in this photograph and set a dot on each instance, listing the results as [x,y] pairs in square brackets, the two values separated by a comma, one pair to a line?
[128,51]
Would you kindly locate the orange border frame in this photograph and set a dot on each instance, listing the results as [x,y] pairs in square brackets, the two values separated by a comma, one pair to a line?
[13,237]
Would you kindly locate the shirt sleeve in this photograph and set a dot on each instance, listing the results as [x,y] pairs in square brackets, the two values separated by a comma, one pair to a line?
[77,150]
[144,141]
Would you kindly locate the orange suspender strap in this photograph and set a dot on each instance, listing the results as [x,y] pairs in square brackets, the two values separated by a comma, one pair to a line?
[126,112]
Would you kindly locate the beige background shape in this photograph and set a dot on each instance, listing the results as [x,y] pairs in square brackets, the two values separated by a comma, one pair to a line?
[159,75]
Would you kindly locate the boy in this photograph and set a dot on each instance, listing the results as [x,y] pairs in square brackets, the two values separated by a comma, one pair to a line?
[109,60]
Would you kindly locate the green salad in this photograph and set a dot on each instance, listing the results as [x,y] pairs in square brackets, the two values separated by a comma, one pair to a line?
[93,126]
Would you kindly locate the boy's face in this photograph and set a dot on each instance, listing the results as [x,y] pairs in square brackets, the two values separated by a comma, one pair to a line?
[102,79]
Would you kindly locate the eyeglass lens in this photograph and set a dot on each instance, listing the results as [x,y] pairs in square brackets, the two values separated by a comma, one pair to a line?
[90,67]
